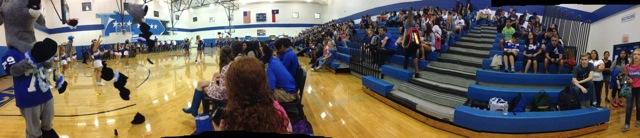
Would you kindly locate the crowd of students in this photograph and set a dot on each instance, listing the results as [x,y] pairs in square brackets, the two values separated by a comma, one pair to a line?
[251,85]
[526,31]
[421,31]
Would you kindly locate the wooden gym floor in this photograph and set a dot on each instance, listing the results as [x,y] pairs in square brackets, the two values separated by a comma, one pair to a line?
[335,104]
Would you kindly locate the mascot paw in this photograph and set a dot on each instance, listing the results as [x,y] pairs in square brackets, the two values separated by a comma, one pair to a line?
[50,133]
[124,93]
[138,119]
[61,85]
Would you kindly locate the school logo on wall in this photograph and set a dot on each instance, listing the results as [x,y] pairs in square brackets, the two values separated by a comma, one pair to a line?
[119,23]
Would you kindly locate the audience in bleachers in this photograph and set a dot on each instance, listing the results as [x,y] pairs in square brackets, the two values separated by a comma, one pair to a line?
[251,105]
[286,55]
[215,88]
[532,52]
[323,60]
[510,52]
[554,53]
[280,81]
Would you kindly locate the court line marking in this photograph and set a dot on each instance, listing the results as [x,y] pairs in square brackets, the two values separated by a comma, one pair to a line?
[85,114]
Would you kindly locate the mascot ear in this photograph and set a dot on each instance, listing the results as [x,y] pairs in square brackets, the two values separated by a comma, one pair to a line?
[40,20]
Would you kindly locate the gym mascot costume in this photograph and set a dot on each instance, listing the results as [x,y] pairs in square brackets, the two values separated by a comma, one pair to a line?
[29,63]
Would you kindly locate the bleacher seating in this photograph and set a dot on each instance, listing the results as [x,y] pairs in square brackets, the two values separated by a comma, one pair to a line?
[484,93]
[377,85]
[528,122]
[488,76]
[396,72]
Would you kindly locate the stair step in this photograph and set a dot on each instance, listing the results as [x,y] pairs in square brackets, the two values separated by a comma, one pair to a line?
[478,40]
[469,52]
[427,94]
[443,82]
[481,35]
[483,31]
[461,59]
[477,46]
[423,106]
[453,69]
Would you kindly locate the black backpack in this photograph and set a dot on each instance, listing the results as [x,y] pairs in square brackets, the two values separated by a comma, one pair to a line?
[541,102]
[568,99]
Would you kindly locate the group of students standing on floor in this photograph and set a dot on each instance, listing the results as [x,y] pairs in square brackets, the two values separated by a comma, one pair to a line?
[593,75]
[252,87]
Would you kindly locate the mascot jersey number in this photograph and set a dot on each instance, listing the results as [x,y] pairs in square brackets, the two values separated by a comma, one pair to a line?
[29,63]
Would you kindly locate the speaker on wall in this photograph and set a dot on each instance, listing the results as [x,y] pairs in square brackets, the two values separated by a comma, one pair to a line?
[195,19]
[156,14]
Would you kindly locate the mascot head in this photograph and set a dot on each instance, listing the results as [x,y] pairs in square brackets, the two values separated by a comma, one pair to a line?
[18,17]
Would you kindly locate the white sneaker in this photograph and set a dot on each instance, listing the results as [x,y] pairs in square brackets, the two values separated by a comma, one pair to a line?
[100,83]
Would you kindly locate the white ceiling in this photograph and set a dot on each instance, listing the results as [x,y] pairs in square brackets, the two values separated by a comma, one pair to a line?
[586,8]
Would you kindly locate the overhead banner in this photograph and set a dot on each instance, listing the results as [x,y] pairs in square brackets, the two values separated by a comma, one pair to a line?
[116,22]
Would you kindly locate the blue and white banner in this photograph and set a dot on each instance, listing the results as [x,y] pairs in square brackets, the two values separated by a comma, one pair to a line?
[116,22]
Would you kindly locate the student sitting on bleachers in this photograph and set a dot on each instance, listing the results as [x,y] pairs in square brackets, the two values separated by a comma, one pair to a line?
[323,61]
[510,53]
[532,53]
[286,55]
[582,81]
[251,106]
[554,53]
[280,81]
[459,23]
[386,50]
[215,87]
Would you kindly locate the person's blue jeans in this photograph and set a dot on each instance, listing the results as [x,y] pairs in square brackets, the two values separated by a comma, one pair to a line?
[630,103]
[198,95]
[585,98]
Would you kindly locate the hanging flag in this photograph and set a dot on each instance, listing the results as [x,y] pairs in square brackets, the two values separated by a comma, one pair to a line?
[246,16]
[273,15]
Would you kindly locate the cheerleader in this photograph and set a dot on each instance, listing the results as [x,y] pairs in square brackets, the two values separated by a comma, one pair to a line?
[96,55]
[200,48]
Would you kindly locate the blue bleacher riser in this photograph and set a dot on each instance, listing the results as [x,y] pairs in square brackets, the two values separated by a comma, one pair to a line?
[334,65]
[395,72]
[342,49]
[377,85]
[521,78]
[486,63]
[495,52]
[399,60]
[484,93]
[528,122]
[343,57]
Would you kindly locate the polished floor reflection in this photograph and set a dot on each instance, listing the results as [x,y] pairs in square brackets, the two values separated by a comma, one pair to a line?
[335,104]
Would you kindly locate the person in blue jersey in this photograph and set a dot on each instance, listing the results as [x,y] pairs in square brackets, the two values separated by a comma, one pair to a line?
[554,53]
[96,55]
[280,81]
[532,52]
[509,54]
[287,56]
[387,50]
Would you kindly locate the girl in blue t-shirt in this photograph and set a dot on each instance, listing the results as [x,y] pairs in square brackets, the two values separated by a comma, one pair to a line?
[532,50]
